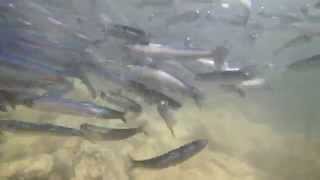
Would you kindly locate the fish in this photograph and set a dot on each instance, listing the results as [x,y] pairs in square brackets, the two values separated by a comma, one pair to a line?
[18,68]
[176,69]
[72,107]
[131,34]
[184,75]
[34,128]
[305,64]
[185,17]
[201,65]
[153,3]
[161,81]
[284,18]
[297,41]
[109,134]
[123,102]
[152,96]
[173,157]
[167,115]
[162,51]
[225,76]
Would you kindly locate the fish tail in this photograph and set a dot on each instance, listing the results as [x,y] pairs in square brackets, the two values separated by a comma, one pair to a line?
[235,89]
[198,97]
[123,119]
[84,79]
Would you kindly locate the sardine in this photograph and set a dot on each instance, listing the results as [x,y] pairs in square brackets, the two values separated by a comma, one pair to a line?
[225,77]
[159,50]
[17,68]
[121,101]
[152,3]
[312,62]
[131,34]
[167,115]
[297,41]
[109,134]
[33,128]
[173,157]
[186,17]
[76,108]
[153,96]
[161,81]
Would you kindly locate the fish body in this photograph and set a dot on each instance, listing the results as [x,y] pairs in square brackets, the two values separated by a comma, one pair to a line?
[159,50]
[34,128]
[109,134]
[131,34]
[186,17]
[153,3]
[166,113]
[153,96]
[123,102]
[76,108]
[312,62]
[158,80]
[224,77]
[172,157]
[17,68]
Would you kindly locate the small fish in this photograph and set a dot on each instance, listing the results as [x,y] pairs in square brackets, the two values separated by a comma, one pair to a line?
[225,76]
[173,157]
[109,134]
[312,62]
[158,80]
[18,68]
[153,96]
[131,34]
[122,101]
[76,108]
[33,128]
[185,17]
[159,50]
[286,18]
[297,41]
[166,114]
[153,3]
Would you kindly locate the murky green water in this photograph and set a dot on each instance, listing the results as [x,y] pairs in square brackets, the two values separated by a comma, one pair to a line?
[272,134]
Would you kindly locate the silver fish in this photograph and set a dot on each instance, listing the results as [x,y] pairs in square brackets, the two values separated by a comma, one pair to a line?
[131,34]
[173,157]
[109,134]
[167,115]
[34,128]
[159,50]
[185,17]
[312,62]
[159,80]
[76,108]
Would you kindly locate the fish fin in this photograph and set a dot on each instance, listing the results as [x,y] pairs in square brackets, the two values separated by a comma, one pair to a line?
[166,116]
[123,119]
[85,80]
[198,97]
